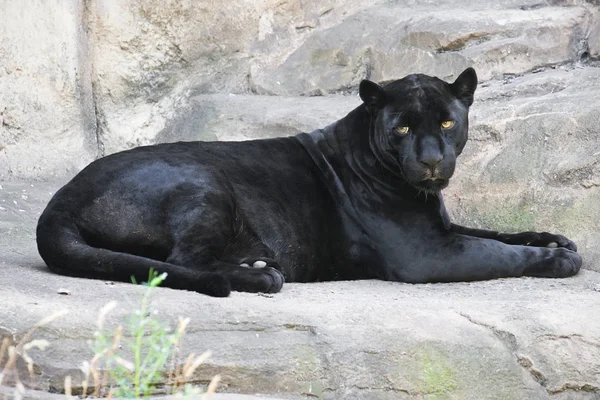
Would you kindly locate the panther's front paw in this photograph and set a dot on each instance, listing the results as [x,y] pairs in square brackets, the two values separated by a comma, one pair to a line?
[557,263]
[545,239]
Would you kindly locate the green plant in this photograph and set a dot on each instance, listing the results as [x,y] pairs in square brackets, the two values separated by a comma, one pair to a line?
[128,363]
[133,360]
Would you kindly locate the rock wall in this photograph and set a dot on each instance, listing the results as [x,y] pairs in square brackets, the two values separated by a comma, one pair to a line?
[84,78]
[87,78]
[47,110]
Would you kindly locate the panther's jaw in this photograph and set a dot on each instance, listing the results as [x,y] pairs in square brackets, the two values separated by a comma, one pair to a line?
[432,185]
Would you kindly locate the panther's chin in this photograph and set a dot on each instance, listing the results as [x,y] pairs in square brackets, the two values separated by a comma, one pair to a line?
[432,185]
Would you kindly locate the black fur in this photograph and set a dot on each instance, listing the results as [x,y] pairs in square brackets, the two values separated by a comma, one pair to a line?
[358,199]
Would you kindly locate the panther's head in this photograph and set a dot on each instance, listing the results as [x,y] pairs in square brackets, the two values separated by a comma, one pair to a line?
[419,125]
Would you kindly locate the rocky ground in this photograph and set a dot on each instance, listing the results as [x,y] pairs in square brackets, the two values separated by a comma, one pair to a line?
[519,338]
[79,80]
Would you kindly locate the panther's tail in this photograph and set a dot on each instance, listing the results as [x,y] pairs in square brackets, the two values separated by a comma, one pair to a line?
[65,252]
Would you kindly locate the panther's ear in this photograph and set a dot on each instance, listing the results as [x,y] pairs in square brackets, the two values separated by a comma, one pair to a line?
[371,94]
[464,86]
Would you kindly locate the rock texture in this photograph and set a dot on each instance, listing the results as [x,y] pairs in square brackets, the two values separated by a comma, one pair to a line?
[505,339]
[93,77]
[391,40]
[47,116]
[149,56]
[84,79]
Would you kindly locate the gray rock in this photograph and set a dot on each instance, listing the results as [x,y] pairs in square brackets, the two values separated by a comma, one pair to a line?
[47,117]
[78,82]
[389,41]
[149,57]
[594,37]
[503,339]
[40,395]
[243,117]
[116,73]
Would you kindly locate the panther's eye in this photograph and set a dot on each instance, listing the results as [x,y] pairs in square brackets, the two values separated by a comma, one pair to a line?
[447,124]
[403,130]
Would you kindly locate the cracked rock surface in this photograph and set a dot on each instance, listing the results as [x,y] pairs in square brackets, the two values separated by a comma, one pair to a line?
[86,79]
[521,338]
[80,80]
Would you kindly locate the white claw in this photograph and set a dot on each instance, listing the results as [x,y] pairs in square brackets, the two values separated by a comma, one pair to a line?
[552,245]
[244,265]
[259,264]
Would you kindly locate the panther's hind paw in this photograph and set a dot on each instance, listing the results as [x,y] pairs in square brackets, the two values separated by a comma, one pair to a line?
[262,262]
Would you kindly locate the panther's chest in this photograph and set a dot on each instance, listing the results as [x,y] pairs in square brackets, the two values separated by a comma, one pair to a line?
[383,244]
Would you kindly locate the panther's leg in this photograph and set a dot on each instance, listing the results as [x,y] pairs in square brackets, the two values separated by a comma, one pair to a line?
[454,257]
[537,239]
[260,276]
[249,251]
[242,279]
[210,235]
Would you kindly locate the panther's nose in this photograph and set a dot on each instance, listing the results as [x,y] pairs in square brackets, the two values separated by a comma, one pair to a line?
[432,160]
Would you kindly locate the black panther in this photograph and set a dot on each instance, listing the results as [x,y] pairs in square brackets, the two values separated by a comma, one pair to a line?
[359,199]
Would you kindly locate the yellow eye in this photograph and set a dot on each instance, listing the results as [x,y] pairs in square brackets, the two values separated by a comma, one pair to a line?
[403,130]
[447,124]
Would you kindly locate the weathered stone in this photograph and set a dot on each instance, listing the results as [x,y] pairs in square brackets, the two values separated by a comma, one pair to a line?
[47,116]
[235,117]
[138,62]
[594,37]
[150,55]
[503,339]
[389,41]
[29,394]
[77,82]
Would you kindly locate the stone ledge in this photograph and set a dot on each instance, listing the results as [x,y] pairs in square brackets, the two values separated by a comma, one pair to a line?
[508,338]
